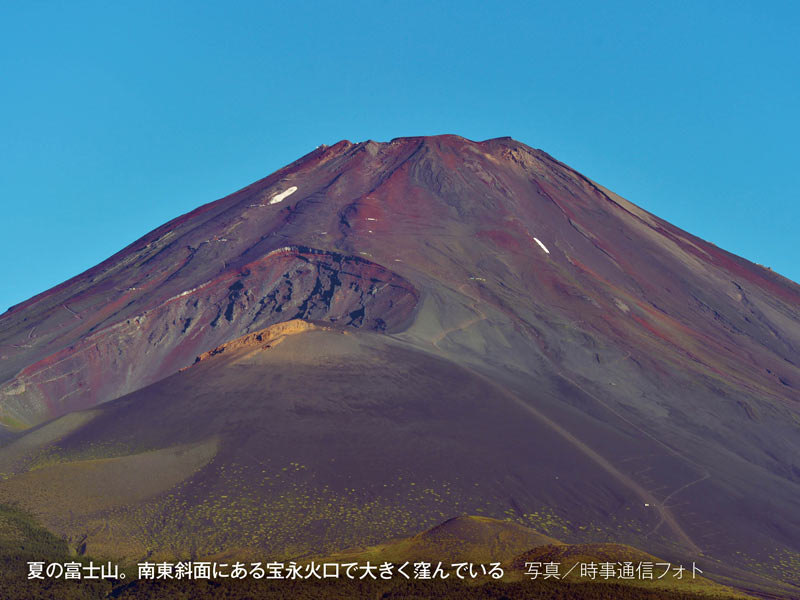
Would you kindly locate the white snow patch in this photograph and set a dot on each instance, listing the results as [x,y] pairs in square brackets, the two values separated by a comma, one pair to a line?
[541,245]
[181,295]
[279,250]
[283,195]
[621,305]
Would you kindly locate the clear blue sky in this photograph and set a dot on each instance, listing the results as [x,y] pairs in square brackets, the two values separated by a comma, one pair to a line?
[117,116]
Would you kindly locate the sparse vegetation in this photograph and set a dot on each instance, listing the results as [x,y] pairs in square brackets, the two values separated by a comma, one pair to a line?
[23,540]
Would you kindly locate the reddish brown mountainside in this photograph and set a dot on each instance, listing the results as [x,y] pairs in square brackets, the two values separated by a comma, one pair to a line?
[642,385]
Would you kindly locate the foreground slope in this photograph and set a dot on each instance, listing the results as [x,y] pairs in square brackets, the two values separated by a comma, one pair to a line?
[523,551]
[310,437]
[295,438]
[22,540]
[589,366]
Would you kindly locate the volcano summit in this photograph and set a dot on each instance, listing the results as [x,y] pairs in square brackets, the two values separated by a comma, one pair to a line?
[380,337]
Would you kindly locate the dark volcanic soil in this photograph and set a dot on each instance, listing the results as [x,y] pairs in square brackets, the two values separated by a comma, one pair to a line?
[522,344]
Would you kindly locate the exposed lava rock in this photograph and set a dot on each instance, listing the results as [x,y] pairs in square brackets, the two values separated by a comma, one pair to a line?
[287,283]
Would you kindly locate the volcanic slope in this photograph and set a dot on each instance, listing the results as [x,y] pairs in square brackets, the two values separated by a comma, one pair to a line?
[584,366]
[320,438]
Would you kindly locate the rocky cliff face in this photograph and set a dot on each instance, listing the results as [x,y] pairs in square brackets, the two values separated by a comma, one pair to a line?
[121,356]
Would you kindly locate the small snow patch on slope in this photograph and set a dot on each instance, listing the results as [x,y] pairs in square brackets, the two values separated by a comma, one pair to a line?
[541,245]
[283,195]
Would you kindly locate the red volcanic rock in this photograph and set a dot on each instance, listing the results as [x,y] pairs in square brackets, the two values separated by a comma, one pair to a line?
[665,364]
[120,356]
[366,227]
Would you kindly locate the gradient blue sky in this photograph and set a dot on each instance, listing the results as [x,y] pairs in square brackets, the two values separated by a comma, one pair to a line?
[117,116]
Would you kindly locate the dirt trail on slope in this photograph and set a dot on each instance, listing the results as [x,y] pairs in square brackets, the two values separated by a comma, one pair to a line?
[464,325]
[660,506]
[647,497]
[665,514]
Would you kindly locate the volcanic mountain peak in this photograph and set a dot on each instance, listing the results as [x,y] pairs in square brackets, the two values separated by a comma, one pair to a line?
[581,355]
